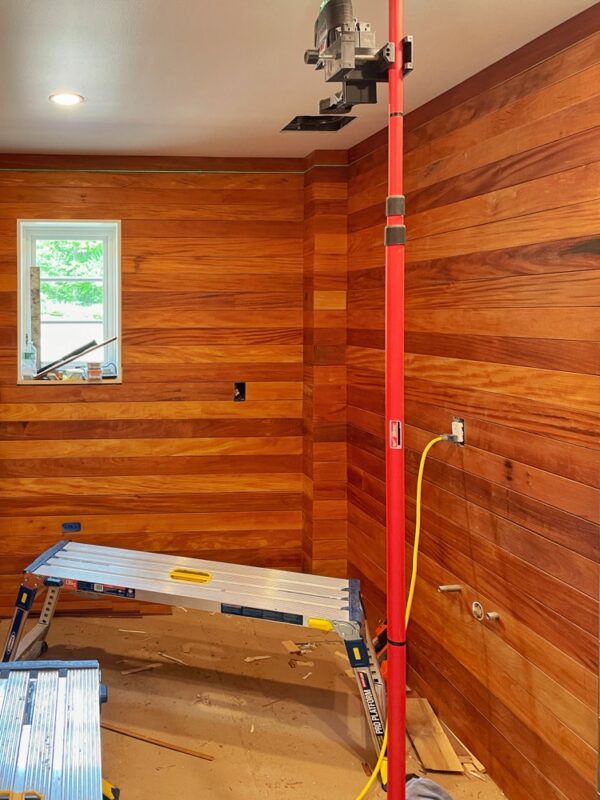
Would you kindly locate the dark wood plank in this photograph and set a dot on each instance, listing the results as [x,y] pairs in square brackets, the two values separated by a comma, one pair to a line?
[548,159]
[556,354]
[537,259]
[568,33]
[70,163]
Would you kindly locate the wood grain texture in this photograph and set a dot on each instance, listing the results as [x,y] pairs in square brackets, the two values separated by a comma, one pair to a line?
[324,544]
[272,272]
[212,294]
[502,329]
[433,747]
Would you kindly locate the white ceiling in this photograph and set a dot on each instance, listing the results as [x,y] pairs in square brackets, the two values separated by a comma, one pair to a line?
[193,77]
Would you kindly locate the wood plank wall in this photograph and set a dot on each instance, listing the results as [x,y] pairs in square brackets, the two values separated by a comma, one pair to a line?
[212,293]
[503,329]
[237,271]
[325,279]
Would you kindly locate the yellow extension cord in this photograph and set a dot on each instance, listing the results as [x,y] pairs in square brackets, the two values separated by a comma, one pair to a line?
[409,601]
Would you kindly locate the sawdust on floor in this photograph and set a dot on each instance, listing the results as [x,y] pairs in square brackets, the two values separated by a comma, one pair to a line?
[275,730]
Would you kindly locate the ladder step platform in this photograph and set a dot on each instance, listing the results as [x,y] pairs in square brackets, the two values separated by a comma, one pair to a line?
[312,601]
[270,594]
[50,730]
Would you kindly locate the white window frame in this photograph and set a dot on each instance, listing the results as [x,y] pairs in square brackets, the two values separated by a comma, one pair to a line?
[109,231]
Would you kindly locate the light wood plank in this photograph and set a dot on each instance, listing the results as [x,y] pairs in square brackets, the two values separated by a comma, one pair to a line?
[157,411]
[433,747]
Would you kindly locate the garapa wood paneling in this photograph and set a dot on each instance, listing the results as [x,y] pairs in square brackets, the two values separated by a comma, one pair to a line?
[325,501]
[272,272]
[212,282]
[502,329]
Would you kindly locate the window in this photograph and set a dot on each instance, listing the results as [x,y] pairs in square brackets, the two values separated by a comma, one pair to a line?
[69,297]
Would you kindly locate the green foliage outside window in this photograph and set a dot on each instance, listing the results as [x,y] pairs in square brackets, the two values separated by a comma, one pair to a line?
[71,259]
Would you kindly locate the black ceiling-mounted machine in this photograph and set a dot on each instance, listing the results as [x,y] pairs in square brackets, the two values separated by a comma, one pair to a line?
[345,49]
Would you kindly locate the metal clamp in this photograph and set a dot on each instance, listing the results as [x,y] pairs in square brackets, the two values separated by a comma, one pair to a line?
[395,206]
[395,234]
[407,54]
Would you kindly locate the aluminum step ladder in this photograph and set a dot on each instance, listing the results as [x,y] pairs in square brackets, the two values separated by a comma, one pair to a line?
[321,603]
[50,730]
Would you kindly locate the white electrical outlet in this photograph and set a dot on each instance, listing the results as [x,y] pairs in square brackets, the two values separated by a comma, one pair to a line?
[458,430]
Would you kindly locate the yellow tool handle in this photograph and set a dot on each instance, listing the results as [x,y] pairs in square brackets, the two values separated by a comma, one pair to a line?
[190,575]
[109,792]
[30,795]
[320,624]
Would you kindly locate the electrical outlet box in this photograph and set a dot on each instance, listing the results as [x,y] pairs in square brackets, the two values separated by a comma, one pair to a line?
[71,527]
[239,392]
[458,430]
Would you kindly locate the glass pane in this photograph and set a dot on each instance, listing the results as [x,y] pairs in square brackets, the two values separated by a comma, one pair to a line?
[73,258]
[72,300]
[59,339]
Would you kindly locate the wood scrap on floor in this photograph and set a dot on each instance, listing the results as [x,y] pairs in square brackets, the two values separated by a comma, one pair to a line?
[142,737]
[131,630]
[143,668]
[473,772]
[292,648]
[298,648]
[296,662]
[462,751]
[428,738]
[251,659]
[172,658]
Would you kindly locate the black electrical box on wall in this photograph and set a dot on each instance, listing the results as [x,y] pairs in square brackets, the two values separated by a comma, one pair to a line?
[239,392]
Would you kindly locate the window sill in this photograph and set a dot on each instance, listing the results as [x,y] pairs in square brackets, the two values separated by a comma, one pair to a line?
[105,382]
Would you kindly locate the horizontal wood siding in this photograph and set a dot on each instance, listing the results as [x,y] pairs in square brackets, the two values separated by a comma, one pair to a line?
[325,290]
[212,294]
[502,329]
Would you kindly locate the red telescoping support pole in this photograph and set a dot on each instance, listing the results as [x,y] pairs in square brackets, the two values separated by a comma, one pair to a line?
[394,402]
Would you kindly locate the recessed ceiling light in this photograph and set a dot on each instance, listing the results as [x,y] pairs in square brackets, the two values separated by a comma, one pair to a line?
[66,99]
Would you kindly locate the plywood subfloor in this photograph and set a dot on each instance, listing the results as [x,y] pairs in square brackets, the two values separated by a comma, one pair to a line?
[275,731]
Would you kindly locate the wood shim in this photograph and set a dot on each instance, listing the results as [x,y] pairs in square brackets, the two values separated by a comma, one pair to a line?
[428,738]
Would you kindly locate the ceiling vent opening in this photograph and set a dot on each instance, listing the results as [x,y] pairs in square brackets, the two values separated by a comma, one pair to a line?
[327,123]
